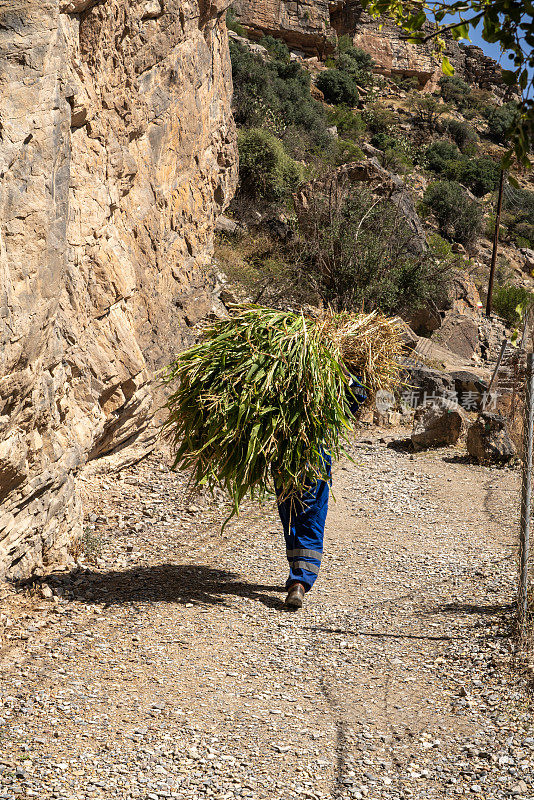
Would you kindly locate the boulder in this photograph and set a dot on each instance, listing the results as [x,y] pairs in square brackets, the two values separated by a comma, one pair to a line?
[491,334]
[527,260]
[425,320]
[488,440]
[458,333]
[470,388]
[463,294]
[316,93]
[408,336]
[436,424]
[424,385]
[226,225]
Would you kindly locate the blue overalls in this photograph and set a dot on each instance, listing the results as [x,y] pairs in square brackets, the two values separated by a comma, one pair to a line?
[304,517]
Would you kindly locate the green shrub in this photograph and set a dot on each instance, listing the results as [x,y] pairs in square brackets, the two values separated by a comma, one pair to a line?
[344,151]
[408,83]
[233,25]
[427,108]
[349,124]
[501,120]
[459,217]
[395,159]
[480,100]
[265,169]
[439,155]
[340,151]
[338,87]
[454,90]
[357,64]
[362,255]
[524,241]
[506,300]
[480,175]
[344,43]
[518,214]
[276,48]
[275,95]
[438,246]
[380,119]
[399,153]
[383,141]
[463,135]
[523,234]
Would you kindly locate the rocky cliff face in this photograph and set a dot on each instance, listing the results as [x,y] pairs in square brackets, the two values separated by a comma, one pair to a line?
[117,153]
[313,26]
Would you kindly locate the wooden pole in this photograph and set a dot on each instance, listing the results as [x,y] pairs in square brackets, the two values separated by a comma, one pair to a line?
[495,245]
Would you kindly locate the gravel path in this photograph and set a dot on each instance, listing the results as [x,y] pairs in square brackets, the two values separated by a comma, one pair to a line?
[164,665]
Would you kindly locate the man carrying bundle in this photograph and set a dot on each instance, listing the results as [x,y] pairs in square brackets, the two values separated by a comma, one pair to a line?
[304,517]
[262,396]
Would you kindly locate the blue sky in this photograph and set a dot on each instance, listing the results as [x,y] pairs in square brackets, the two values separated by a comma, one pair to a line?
[492,50]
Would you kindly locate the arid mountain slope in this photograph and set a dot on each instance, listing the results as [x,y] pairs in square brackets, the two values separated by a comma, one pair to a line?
[315,25]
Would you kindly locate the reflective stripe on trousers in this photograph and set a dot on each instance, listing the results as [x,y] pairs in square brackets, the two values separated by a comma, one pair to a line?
[303,519]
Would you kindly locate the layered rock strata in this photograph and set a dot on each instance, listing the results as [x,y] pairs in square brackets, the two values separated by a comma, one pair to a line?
[117,153]
[314,25]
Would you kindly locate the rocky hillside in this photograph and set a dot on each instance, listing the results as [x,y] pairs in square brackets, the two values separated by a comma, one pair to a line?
[367,141]
[117,153]
[315,26]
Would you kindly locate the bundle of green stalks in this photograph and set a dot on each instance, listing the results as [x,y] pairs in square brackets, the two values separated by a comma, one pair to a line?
[264,394]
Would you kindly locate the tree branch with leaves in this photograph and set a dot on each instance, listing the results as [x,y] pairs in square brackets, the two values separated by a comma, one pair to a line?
[507,23]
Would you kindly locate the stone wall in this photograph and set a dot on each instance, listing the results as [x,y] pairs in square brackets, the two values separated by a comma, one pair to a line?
[117,152]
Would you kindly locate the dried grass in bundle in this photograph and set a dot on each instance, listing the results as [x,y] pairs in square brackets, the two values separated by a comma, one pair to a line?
[264,394]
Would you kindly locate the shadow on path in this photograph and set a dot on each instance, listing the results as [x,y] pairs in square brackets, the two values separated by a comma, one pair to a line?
[471,608]
[167,583]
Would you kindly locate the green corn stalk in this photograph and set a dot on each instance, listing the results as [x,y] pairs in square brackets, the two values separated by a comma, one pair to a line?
[255,402]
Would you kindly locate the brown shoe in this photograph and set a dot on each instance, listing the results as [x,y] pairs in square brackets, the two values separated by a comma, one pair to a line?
[295,596]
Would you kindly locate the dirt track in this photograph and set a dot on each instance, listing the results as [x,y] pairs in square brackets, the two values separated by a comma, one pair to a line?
[167,667]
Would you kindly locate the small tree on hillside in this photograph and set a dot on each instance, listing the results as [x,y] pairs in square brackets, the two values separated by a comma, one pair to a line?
[360,253]
[459,217]
[265,169]
[427,108]
[338,87]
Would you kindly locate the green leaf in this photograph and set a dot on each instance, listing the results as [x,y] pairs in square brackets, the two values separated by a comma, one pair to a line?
[416,21]
[446,66]
[509,77]
[460,32]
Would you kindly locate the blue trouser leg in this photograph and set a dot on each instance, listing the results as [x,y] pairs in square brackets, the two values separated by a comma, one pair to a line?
[303,519]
